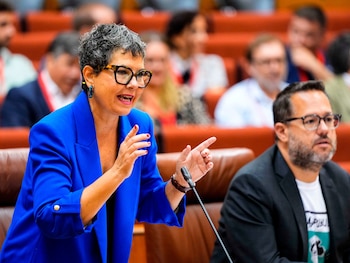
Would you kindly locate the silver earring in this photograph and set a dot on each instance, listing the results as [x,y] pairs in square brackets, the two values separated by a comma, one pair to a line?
[90,91]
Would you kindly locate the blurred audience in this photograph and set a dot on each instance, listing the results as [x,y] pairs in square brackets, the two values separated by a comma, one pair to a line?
[187,33]
[338,87]
[168,5]
[88,14]
[56,85]
[249,102]
[24,6]
[306,33]
[246,5]
[15,69]
[163,99]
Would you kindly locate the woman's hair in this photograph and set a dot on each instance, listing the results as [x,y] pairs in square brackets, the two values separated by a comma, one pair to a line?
[98,45]
[181,20]
[338,53]
[282,107]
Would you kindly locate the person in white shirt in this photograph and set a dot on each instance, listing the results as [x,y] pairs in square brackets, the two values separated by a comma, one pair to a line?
[57,85]
[15,69]
[187,33]
[249,102]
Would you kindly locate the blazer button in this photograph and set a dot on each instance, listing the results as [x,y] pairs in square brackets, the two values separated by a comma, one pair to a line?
[56,207]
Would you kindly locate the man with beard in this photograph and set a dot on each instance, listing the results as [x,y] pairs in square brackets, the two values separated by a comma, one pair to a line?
[291,204]
[249,102]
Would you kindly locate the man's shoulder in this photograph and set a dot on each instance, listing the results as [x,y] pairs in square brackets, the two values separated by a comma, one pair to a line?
[261,165]
[26,89]
[332,167]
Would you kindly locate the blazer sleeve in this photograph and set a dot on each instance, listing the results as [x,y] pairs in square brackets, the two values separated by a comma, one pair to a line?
[154,207]
[56,184]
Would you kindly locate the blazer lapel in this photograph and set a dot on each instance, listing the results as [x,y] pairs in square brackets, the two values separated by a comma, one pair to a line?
[290,189]
[88,160]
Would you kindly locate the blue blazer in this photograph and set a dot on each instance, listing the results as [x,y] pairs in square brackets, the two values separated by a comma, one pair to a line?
[63,159]
[23,106]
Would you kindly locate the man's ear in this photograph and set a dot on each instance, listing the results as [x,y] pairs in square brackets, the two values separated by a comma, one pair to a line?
[88,75]
[281,131]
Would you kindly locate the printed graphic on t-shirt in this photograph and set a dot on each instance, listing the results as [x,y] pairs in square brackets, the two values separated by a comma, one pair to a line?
[318,233]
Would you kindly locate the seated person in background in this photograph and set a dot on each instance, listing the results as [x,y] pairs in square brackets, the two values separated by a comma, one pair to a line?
[292,203]
[15,69]
[187,32]
[265,6]
[338,87]
[24,6]
[249,102]
[161,5]
[163,99]
[56,85]
[306,58]
[88,14]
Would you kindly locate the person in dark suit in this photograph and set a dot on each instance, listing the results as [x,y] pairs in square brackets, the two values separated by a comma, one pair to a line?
[305,55]
[292,203]
[57,85]
[92,169]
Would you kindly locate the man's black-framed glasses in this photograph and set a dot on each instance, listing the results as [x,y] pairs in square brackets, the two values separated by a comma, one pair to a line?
[312,122]
[123,75]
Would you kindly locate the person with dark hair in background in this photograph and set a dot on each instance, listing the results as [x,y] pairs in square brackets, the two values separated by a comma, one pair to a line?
[92,168]
[338,88]
[15,69]
[86,15]
[292,203]
[187,32]
[57,84]
[306,33]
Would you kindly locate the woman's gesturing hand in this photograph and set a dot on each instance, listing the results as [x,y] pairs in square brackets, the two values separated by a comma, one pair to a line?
[131,148]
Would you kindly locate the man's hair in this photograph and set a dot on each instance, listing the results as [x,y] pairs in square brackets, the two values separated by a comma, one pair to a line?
[65,43]
[6,7]
[338,53]
[312,13]
[83,15]
[282,107]
[258,41]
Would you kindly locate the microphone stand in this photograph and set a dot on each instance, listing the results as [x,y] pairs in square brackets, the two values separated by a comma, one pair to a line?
[186,174]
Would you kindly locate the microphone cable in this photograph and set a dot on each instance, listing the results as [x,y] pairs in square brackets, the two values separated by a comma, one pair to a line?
[187,176]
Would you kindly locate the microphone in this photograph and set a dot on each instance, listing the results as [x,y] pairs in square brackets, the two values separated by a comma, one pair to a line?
[187,176]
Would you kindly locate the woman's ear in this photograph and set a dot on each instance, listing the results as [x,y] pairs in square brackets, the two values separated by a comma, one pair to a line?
[88,75]
[281,131]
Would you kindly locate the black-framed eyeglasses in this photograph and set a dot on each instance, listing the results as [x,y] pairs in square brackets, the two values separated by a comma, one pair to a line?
[123,75]
[312,122]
